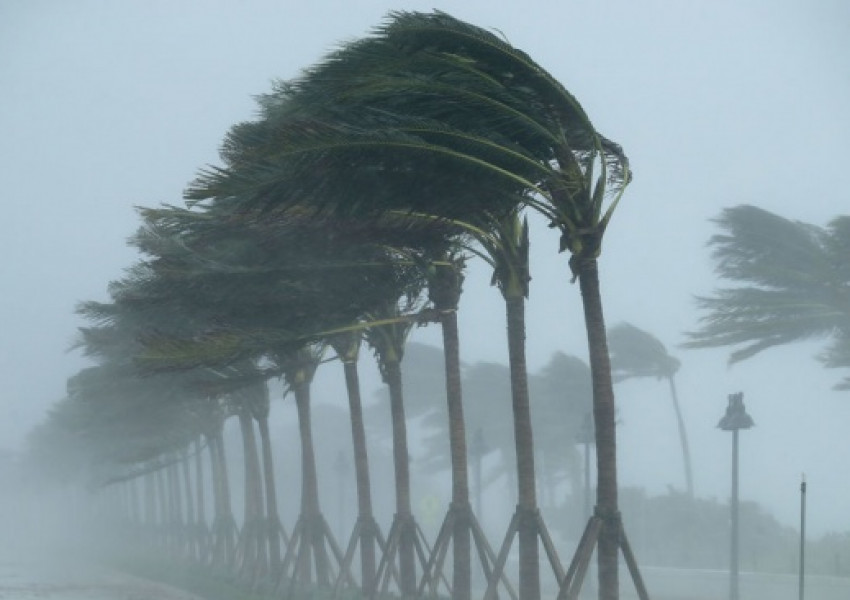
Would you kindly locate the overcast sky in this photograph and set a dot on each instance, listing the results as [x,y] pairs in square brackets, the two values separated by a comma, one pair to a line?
[109,104]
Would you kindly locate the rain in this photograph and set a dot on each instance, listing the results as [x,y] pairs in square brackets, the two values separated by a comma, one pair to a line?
[724,112]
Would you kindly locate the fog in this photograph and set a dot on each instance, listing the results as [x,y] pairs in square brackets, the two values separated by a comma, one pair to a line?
[111,105]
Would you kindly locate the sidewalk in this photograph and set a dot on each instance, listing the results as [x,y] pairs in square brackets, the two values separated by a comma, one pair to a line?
[74,579]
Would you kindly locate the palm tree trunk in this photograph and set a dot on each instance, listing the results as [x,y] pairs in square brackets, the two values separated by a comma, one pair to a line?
[227,524]
[461,584]
[361,474]
[683,438]
[217,550]
[310,511]
[401,462]
[272,515]
[529,568]
[163,507]
[252,532]
[607,507]
[134,504]
[191,537]
[150,504]
[178,529]
[201,517]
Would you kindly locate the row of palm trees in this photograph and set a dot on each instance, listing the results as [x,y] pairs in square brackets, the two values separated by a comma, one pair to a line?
[347,209]
[345,213]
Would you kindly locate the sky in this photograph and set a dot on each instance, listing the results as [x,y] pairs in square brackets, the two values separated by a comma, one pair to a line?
[109,105]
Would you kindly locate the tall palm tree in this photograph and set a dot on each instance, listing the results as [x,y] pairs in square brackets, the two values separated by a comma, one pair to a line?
[388,341]
[638,353]
[789,283]
[366,530]
[436,105]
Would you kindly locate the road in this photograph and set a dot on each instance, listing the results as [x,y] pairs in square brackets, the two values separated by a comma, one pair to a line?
[73,579]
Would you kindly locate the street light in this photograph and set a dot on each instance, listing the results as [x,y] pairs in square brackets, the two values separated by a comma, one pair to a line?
[735,419]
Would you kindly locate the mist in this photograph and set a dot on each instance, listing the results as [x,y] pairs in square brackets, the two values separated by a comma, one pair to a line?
[109,106]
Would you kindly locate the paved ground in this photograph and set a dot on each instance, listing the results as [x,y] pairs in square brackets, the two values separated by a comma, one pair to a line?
[26,579]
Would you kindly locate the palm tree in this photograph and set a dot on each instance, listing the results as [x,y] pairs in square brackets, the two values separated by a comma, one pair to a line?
[432,104]
[366,530]
[790,282]
[388,341]
[637,353]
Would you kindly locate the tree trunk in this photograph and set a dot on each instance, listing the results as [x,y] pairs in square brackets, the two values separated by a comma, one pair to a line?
[529,568]
[217,549]
[201,521]
[150,504]
[226,526]
[361,474]
[189,527]
[135,516]
[401,462]
[164,514]
[607,507]
[272,515]
[683,438]
[252,531]
[461,574]
[310,511]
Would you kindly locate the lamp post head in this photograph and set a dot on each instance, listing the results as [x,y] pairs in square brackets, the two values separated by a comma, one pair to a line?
[736,416]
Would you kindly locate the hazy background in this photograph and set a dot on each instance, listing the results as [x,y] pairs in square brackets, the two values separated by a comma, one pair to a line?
[105,105]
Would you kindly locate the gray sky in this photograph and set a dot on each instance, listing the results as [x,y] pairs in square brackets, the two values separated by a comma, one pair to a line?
[106,105]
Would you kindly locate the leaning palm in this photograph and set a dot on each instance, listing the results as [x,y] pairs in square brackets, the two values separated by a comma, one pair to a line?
[790,283]
[638,353]
[451,120]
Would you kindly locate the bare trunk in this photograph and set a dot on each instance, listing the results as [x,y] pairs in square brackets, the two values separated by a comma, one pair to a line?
[607,507]
[310,510]
[401,461]
[201,521]
[272,515]
[134,503]
[461,584]
[361,473]
[150,502]
[189,527]
[529,568]
[163,507]
[683,438]
[252,530]
[225,528]
[217,540]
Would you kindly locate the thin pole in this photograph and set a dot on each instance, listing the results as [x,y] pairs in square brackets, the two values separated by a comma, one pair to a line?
[587,480]
[733,570]
[802,535]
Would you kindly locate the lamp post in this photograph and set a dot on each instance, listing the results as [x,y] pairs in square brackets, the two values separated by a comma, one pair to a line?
[802,537]
[735,419]
[478,448]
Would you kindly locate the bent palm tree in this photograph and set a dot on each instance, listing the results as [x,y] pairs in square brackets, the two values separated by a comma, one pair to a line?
[791,284]
[637,353]
[437,116]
